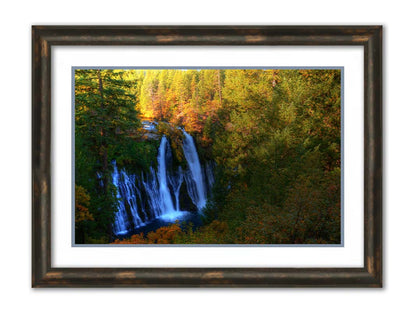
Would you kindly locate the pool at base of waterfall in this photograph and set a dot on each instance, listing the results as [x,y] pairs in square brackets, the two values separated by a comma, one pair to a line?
[184,218]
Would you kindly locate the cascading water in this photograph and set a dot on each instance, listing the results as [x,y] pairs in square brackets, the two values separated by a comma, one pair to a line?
[151,188]
[157,195]
[128,191]
[175,181]
[165,196]
[194,179]
[121,220]
[209,174]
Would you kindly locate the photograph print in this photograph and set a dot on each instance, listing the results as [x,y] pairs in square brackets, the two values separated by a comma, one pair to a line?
[202,156]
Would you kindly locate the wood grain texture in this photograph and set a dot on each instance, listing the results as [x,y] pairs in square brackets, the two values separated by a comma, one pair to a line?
[43,37]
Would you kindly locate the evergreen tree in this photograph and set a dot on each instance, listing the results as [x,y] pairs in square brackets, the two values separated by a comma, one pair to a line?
[104,116]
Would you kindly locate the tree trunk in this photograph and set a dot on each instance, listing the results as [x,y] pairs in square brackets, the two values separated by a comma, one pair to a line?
[103,147]
[104,150]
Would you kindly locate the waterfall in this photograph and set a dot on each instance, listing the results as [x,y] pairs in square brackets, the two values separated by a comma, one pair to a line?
[175,181]
[128,191]
[121,220]
[209,174]
[165,197]
[152,191]
[194,179]
[157,193]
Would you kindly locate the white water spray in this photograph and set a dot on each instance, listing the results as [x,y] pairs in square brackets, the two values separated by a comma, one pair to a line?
[194,179]
[157,194]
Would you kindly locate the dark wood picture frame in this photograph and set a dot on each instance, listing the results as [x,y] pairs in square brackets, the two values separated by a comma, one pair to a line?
[44,37]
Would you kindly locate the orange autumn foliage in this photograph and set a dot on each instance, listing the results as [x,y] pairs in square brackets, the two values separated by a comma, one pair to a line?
[82,201]
[163,235]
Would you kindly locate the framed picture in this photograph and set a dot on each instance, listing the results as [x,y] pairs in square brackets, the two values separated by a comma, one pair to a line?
[214,156]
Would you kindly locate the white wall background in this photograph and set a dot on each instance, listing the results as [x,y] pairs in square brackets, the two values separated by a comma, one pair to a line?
[15,124]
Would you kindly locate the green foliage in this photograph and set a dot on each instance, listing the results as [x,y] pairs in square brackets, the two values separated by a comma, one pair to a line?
[213,233]
[105,118]
[175,137]
[279,146]
[136,155]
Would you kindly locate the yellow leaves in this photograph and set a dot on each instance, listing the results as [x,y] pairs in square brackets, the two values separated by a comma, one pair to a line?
[214,233]
[135,239]
[219,226]
[82,202]
[163,235]
[229,127]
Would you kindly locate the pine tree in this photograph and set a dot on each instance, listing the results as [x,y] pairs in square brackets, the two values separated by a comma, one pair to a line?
[104,116]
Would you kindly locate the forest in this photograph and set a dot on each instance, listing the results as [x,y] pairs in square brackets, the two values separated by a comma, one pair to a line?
[207,156]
